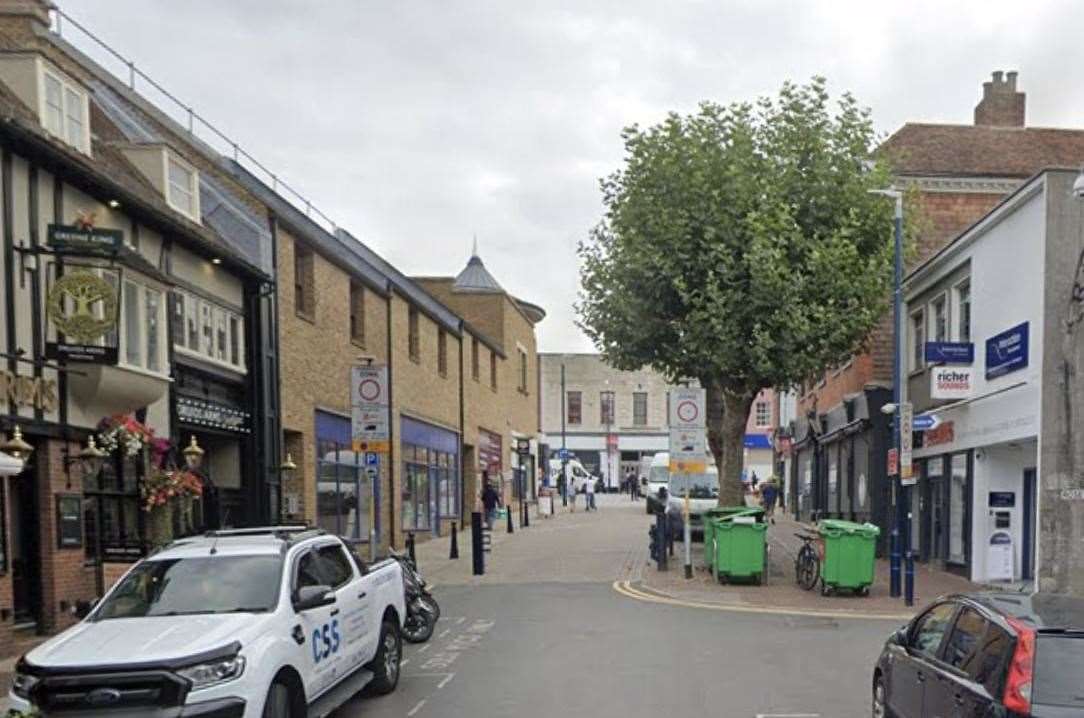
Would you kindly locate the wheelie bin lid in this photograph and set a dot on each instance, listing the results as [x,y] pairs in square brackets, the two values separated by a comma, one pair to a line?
[722,512]
[835,527]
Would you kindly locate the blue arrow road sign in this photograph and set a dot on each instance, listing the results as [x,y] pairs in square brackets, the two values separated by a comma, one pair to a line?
[564,454]
[925,422]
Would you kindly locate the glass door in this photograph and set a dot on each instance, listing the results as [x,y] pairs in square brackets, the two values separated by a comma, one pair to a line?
[957,511]
[938,514]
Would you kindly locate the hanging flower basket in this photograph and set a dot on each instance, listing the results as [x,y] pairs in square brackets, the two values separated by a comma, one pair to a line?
[124,435]
[168,498]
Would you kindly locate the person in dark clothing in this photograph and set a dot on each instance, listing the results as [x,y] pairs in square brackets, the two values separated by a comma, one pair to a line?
[490,501]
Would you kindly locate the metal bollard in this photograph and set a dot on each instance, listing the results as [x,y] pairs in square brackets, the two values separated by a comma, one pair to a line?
[410,548]
[508,513]
[477,549]
[454,553]
[660,524]
[526,515]
[909,579]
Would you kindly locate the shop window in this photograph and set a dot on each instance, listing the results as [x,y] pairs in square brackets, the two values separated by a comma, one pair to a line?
[963,311]
[111,512]
[357,312]
[493,370]
[575,407]
[763,414]
[475,370]
[304,282]
[957,512]
[414,340]
[345,496]
[918,340]
[64,111]
[208,330]
[442,352]
[431,484]
[606,408]
[639,408]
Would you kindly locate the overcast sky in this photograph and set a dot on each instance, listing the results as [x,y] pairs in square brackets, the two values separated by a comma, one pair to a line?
[417,125]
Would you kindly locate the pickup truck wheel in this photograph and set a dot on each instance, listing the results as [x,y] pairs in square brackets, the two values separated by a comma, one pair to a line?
[385,665]
[278,701]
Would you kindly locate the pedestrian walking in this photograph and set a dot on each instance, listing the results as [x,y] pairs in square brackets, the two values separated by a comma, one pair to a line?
[630,484]
[490,501]
[769,492]
[589,495]
[573,492]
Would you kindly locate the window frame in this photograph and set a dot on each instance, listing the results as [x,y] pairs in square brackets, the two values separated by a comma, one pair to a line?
[942,300]
[639,418]
[304,291]
[606,409]
[95,496]
[757,406]
[957,294]
[414,339]
[493,370]
[475,360]
[357,312]
[67,87]
[579,408]
[170,160]
[143,287]
[522,370]
[912,633]
[187,300]
[916,360]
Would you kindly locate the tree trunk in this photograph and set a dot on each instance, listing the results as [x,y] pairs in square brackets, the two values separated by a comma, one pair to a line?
[727,413]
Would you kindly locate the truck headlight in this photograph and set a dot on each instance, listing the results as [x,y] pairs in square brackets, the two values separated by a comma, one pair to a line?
[23,685]
[205,675]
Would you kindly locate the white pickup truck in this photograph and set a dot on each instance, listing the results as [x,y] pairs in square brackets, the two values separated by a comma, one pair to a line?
[278,622]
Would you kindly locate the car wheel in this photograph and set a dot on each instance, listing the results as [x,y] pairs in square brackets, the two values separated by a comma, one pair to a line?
[385,666]
[278,701]
[880,705]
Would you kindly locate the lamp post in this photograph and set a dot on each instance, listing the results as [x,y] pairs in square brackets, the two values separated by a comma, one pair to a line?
[900,540]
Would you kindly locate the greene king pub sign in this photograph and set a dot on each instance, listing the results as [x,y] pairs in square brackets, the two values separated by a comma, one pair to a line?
[84,239]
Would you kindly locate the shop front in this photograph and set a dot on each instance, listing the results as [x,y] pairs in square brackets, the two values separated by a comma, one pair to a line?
[347,482]
[430,481]
[491,461]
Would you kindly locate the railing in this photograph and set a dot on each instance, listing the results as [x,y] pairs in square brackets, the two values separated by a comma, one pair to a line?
[186,116]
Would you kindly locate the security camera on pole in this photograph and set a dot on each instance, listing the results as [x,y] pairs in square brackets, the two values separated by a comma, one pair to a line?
[688,449]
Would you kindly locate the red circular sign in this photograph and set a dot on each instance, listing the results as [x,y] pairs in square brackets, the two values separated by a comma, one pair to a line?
[369,389]
[687,411]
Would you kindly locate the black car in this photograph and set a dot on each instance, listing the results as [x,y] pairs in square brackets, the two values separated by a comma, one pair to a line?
[985,655]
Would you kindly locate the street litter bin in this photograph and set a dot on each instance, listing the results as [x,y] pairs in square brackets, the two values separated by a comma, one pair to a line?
[708,518]
[739,548]
[849,555]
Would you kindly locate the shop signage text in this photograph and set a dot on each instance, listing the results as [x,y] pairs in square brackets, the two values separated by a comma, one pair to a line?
[950,352]
[38,392]
[1007,352]
[84,239]
[210,414]
[951,382]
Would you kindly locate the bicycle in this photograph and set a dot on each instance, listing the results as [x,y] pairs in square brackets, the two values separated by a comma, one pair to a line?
[807,565]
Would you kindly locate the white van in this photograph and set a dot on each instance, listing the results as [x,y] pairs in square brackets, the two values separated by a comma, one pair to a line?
[576,474]
[703,489]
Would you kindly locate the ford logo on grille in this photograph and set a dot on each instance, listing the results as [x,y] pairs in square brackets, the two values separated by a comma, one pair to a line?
[103,697]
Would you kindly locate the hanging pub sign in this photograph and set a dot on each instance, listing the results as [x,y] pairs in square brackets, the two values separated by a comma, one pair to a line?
[83,307]
[212,415]
[84,238]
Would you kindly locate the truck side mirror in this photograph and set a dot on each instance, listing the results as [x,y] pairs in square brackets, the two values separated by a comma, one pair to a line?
[310,597]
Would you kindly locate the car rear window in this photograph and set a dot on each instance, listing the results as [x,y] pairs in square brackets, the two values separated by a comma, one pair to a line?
[1058,662]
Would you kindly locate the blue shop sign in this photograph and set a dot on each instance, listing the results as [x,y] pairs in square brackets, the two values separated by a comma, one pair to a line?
[1007,352]
[950,352]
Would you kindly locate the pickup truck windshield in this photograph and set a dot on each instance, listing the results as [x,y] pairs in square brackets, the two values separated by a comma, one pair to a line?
[212,584]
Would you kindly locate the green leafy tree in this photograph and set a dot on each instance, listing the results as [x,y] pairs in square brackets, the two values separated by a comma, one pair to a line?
[741,247]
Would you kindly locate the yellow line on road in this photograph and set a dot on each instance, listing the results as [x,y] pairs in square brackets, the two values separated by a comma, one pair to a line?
[625,589]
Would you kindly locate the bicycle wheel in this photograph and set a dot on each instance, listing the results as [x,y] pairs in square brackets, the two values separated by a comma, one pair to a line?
[808,568]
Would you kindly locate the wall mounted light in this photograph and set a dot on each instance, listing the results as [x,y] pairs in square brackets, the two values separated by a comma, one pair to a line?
[16,446]
[193,455]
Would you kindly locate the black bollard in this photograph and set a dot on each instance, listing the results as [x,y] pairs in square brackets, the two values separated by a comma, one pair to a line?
[476,546]
[661,533]
[410,549]
[526,515]
[454,553]
[508,513]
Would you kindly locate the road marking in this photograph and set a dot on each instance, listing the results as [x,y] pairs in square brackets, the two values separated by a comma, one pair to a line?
[459,621]
[443,683]
[425,648]
[625,589]
[416,708]
[444,633]
[404,662]
[788,715]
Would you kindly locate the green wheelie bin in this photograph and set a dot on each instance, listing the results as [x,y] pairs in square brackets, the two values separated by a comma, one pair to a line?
[710,516]
[849,555]
[739,548]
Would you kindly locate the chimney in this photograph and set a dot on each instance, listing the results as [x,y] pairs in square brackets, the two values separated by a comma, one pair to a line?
[25,21]
[1001,105]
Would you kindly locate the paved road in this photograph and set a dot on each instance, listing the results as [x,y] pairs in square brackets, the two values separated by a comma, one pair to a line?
[574,647]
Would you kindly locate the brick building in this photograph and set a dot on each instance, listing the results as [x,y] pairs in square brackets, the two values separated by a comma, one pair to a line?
[956,174]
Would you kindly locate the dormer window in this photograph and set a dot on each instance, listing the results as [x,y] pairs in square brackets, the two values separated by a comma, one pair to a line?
[64,110]
[182,189]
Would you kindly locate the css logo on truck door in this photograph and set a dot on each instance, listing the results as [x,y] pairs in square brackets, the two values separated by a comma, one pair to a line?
[326,641]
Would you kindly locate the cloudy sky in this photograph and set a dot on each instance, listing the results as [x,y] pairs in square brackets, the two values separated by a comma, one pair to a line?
[417,124]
